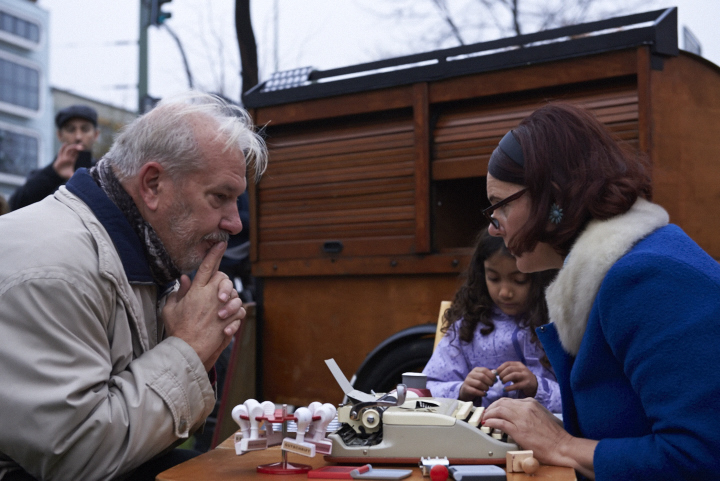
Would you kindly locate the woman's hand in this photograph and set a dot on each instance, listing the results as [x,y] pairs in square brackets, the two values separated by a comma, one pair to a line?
[520,376]
[476,384]
[534,427]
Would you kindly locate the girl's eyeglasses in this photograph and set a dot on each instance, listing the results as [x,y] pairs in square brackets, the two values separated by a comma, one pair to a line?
[489,211]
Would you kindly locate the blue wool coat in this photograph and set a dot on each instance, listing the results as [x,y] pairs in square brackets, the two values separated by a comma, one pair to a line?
[645,379]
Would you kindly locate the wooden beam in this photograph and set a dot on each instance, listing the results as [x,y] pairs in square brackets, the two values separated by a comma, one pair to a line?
[421,121]
[443,263]
[563,72]
[360,103]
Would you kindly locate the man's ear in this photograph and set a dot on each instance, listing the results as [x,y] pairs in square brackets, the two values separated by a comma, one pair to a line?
[149,184]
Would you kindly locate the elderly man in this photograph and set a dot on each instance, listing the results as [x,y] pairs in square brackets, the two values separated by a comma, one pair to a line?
[104,356]
[77,131]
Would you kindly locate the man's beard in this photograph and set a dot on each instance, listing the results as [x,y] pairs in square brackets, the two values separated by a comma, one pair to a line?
[183,246]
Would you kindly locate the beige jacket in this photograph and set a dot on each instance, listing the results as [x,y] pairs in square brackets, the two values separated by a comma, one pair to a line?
[89,390]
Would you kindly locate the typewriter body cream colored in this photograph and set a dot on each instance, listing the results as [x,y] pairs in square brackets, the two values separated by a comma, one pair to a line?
[400,427]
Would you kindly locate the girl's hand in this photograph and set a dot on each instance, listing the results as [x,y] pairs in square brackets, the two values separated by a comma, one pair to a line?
[534,427]
[476,384]
[520,376]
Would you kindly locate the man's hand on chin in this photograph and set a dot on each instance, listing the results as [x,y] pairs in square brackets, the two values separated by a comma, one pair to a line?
[206,312]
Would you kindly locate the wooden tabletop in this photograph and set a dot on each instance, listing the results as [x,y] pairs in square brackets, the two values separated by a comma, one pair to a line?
[222,464]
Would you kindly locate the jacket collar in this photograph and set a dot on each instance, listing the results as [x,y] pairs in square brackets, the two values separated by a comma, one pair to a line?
[571,295]
[127,243]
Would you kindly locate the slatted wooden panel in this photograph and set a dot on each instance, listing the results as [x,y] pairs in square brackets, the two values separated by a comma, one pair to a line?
[464,137]
[352,182]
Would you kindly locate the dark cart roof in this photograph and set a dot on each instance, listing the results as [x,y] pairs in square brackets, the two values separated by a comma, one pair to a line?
[657,29]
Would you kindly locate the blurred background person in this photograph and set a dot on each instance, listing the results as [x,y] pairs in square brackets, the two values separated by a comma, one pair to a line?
[77,130]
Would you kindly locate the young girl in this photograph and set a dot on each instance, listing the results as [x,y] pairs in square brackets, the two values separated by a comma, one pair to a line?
[490,348]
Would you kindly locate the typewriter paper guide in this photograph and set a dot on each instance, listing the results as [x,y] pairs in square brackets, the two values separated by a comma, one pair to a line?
[345,384]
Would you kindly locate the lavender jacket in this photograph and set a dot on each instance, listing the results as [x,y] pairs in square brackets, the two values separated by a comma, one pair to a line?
[453,360]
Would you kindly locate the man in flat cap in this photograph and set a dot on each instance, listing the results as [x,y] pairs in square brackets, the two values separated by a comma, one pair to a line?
[77,131]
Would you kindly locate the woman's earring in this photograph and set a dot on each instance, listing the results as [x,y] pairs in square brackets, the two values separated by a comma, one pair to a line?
[556,214]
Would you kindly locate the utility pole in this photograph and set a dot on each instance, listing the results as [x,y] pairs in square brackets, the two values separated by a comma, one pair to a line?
[143,55]
[151,13]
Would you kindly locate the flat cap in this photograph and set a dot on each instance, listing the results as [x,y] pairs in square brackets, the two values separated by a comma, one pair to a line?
[76,111]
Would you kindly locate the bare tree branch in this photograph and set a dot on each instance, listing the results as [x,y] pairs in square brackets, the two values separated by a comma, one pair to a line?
[247,45]
[468,21]
[182,54]
[220,44]
[441,5]
[515,10]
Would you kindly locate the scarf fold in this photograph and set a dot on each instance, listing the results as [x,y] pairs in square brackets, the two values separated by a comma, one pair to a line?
[162,268]
[571,295]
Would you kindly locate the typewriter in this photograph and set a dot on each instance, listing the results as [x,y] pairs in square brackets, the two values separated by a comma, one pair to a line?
[402,427]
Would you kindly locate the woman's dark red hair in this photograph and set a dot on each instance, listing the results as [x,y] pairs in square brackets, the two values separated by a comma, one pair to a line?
[574,161]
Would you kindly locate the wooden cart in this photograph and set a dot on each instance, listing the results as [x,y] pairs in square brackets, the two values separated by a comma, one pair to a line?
[365,216]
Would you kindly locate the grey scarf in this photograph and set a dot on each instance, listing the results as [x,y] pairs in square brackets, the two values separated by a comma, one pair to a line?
[162,267]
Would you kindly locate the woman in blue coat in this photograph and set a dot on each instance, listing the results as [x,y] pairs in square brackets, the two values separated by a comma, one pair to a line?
[634,337]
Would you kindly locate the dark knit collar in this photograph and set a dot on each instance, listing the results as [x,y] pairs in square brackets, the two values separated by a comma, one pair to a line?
[128,245]
[126,228]
[162,267]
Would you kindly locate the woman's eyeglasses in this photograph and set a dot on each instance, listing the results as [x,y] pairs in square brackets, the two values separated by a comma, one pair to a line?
[489,211]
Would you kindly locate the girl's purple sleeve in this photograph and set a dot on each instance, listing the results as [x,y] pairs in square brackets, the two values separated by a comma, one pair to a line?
[446,370]
[548,391]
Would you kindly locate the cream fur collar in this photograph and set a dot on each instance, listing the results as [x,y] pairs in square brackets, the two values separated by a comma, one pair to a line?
[572,294]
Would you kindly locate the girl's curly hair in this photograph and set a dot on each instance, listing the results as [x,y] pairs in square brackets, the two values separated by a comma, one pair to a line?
[472,301]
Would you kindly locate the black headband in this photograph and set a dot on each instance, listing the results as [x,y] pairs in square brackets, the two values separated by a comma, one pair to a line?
[511,147]
[512,171]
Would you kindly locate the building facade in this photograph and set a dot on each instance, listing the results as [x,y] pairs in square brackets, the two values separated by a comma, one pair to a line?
[26,110]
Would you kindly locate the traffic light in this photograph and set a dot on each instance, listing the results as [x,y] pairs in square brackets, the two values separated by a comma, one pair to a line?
[157,15]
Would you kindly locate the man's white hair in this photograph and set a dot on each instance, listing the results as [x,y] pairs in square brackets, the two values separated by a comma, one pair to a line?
[166,135]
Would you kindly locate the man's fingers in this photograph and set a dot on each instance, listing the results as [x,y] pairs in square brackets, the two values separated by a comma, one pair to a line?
[71,147]
[210,361]
[210,264]
[185,284]
[226,290]
[176,296]
[70,150]
[232,308]
[232,328]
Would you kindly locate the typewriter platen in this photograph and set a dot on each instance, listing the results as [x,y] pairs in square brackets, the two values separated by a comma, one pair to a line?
[400,427]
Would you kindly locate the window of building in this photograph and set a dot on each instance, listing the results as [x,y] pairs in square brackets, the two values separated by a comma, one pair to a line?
[14,26]
[19,84]
[19,151]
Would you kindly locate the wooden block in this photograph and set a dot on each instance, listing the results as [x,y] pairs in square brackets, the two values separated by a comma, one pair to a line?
[530,465]
[514,459]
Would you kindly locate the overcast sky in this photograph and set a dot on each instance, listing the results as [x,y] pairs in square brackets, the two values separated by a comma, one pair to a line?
[93,43]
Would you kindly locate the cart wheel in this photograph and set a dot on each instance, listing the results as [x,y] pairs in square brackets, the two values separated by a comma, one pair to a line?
[382,370]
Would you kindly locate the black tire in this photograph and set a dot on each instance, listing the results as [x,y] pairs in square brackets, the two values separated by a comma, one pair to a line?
[384,373]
